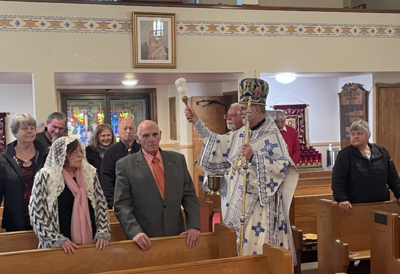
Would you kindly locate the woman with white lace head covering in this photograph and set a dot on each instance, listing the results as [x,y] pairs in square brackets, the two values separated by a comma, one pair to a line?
[67,206]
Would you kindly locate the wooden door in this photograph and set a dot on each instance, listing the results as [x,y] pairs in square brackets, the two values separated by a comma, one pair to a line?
[388,124]
[213,117]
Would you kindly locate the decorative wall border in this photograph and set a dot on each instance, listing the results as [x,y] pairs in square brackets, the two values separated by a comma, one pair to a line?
[284,29]
[92,25]
[56,24]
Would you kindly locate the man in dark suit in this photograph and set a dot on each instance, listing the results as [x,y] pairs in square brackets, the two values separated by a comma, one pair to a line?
[126,146]
[151,186]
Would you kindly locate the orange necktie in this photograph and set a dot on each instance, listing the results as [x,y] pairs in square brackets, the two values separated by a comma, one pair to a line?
[160,177]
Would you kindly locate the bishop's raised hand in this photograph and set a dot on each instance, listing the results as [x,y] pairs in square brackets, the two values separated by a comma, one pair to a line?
[191,116]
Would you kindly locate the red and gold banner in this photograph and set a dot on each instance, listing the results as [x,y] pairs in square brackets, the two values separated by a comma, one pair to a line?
[296,118]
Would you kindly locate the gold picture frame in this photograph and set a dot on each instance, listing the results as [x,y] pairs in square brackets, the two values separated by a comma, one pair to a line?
[154,39]
[291,122]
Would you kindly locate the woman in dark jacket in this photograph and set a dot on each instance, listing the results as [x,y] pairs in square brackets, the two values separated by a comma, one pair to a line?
[363,171]
[19,163]
[102,138]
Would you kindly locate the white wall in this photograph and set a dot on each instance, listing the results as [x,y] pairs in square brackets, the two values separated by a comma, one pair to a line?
[347,3]
[16,98]
[320,95]
[230,86]
[386,78]
[367,81]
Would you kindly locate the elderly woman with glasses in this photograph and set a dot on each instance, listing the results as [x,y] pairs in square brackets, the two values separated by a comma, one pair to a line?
[19,163]
[67,206]
[363,171]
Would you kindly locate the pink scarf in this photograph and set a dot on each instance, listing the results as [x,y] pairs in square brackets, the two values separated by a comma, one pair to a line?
[81,225]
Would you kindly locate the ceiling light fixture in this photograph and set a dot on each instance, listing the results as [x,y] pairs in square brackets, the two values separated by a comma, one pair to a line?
[285,78]
[129,82]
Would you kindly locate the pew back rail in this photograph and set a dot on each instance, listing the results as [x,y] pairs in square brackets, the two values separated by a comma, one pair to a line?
[122,255]
[27,240]
[274,260]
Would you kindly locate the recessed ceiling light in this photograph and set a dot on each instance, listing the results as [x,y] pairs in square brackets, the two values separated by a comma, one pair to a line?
[129,82]
[285,78]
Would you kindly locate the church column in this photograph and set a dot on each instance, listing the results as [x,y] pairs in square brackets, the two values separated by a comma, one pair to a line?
[44,94]
[184,132]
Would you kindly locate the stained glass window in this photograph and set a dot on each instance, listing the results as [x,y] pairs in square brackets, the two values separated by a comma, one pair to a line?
[131,108]
[83,117]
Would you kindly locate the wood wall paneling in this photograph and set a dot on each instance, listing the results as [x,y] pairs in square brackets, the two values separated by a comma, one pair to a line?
[173,134]
[388,125]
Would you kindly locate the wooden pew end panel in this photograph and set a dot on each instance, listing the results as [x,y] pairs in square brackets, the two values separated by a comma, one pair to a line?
[385,243]
[226,240]
[279,259]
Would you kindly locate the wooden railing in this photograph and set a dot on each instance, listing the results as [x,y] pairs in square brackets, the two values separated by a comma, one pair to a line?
[180,4]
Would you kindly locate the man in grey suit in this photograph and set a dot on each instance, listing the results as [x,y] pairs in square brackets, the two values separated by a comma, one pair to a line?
[151,186]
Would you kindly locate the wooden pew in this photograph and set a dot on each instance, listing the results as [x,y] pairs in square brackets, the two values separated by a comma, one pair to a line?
[315,174]
[312,186]
[122,255]
[113,219]
[274,260]
[339,234]
[385,243]
[206,215]
[27,240]
[298,245]
[305,213]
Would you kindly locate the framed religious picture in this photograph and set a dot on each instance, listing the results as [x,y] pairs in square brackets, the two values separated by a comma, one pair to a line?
[291,122]
[154,40]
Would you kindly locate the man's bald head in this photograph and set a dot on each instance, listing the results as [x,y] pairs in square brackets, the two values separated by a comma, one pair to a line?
[149,136]
[146,124]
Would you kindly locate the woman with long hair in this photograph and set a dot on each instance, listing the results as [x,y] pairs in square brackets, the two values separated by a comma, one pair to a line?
[102,138]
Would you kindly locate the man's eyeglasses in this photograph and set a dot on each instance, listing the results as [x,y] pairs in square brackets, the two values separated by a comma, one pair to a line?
[233,115]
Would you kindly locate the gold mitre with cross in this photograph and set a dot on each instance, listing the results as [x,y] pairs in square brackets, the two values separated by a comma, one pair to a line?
[253,88]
